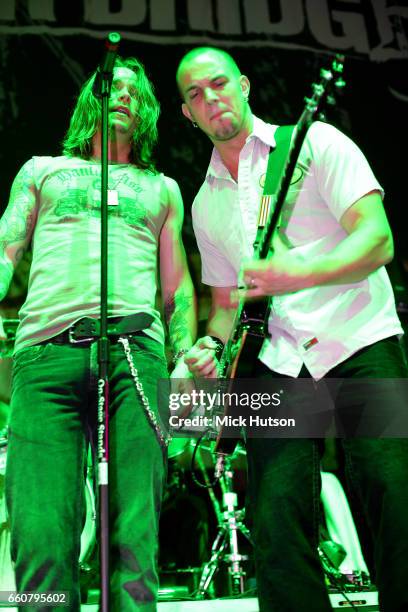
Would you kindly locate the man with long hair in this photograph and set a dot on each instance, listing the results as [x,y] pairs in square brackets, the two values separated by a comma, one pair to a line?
[55,204]
[333,316]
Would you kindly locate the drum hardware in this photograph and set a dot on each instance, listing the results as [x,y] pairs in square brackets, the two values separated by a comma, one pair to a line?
[230,524]
[197,457]
[181,451]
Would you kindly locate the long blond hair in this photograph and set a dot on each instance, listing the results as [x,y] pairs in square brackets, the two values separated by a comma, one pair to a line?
[85,119]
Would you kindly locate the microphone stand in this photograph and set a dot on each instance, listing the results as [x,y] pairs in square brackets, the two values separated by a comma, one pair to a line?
[101,89]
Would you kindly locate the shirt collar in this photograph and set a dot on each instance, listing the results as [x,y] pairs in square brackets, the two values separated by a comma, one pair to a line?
[261,131]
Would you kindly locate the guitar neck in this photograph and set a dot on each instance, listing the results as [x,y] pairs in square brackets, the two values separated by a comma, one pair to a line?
[264,245]
[310,112]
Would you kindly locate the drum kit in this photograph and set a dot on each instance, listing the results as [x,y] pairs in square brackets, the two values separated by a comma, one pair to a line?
[197,459]
[231,534]
[339,549]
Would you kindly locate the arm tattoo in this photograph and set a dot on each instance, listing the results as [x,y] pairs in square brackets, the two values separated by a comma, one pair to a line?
[17,224]
[18,220]
[176,310]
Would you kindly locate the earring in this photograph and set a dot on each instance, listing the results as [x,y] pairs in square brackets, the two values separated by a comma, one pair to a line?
[194,124]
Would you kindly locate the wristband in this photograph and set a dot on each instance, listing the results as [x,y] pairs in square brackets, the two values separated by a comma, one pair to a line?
[220,346]
[180,353]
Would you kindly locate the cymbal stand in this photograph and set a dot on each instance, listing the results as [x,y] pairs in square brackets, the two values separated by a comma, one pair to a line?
[230,523]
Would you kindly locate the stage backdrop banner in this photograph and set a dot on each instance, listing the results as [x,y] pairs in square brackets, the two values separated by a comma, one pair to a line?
[373,29]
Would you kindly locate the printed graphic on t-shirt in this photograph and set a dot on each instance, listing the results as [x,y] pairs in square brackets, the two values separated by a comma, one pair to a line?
[82,195]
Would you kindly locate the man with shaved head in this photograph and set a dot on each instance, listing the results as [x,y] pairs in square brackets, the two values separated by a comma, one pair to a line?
[333,316]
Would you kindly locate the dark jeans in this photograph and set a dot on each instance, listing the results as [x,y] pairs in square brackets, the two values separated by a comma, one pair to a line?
[53,413]
[284,490]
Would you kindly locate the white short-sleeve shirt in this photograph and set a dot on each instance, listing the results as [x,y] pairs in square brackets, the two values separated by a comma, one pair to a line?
[330,176]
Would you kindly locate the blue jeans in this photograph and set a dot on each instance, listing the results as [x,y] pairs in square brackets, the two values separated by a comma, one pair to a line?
[53,415]
[284,490]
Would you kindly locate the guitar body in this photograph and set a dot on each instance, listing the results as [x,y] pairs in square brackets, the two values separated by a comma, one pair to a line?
[245,346]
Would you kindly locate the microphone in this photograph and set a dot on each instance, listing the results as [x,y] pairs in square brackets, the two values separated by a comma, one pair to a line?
[111,49]
[104,73]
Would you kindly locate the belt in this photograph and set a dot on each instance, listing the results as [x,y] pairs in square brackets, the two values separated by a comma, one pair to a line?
[88,329]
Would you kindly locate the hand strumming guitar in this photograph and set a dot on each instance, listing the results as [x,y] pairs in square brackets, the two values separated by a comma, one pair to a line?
[201,358]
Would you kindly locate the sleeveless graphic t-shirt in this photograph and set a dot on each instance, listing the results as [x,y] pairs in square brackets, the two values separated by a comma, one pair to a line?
[64,283]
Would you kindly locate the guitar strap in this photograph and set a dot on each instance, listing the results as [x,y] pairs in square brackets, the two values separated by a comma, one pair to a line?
[276,163]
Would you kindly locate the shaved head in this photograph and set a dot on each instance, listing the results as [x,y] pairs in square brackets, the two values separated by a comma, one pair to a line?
[203,53]
[214,93]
